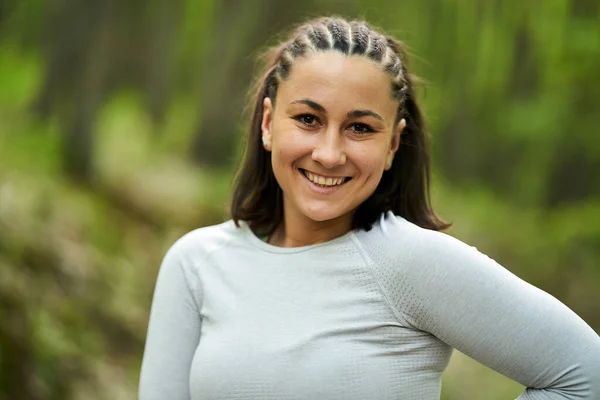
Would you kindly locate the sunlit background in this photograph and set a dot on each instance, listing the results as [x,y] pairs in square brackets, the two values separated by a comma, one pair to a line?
[121,124]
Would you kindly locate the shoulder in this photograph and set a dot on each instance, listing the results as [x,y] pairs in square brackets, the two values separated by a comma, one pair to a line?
[420,270]
[394,239]
[403,254]
[184,259]
[201,242]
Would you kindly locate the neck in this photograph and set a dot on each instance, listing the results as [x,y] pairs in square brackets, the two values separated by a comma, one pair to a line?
[298,230]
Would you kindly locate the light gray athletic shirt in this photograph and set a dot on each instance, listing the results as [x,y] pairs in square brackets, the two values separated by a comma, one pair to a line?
[369,315]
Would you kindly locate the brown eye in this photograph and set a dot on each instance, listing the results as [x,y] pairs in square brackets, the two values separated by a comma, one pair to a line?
[307,119]
[361,128]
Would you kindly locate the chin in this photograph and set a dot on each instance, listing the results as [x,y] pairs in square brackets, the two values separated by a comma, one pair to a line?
[321,217]
[325,214]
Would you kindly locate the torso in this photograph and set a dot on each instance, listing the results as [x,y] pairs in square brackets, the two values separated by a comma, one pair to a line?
[306,323]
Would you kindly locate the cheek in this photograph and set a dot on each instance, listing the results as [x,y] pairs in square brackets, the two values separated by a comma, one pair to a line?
[283,153]
[371,159]
[290,145]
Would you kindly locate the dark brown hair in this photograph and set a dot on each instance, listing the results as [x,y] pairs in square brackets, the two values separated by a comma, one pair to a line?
[403,189]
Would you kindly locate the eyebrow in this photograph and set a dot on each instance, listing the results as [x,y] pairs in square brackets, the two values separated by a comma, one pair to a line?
[364,113]
[314,105]
[352,114]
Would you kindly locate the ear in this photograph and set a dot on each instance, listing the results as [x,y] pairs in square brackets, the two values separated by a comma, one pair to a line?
[266,124]
[395,143]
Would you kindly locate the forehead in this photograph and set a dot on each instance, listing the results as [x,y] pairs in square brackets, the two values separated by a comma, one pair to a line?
[339,81]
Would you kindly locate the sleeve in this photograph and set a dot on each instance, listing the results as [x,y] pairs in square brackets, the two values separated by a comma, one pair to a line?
[173,330]
[475,305]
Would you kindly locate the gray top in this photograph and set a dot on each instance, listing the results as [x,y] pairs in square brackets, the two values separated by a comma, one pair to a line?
[368,315]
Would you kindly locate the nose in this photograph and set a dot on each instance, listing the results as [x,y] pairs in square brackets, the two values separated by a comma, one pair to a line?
[329,150]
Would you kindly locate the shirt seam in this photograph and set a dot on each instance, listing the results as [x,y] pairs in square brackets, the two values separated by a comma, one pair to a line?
[187,285]
[371,265]
[196,266]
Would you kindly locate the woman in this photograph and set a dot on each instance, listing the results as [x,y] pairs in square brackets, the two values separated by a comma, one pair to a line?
[333,281]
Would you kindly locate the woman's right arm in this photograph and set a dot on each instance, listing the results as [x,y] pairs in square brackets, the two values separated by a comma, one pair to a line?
[173,329]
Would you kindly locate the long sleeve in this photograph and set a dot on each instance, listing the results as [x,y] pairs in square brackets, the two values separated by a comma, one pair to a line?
[173,330]
[470,302]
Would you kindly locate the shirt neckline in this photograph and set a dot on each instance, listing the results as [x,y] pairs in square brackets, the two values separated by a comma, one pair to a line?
[258,242]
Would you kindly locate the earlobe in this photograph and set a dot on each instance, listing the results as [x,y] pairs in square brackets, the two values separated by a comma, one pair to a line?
[395,144]
[398,133]
[388,162]
[266,123]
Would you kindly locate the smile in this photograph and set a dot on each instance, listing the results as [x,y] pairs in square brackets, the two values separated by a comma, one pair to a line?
[324,181]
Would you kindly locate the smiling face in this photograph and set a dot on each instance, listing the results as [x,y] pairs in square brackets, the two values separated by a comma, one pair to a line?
[332,133]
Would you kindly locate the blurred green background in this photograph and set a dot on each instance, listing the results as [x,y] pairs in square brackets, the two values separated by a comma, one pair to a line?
[121,124]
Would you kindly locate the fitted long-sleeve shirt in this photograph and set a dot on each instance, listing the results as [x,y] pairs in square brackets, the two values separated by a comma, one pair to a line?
[369,315]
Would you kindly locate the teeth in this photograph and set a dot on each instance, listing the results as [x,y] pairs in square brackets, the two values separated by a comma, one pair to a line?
[321,180]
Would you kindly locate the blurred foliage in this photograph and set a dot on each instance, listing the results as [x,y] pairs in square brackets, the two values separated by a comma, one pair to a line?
[119,127]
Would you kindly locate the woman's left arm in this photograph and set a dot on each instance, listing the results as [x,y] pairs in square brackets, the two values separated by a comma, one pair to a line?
[475,305]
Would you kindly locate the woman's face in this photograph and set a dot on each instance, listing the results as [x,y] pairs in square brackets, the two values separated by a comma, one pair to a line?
[331,135]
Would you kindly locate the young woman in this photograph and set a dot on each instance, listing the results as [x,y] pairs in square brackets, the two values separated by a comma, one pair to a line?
[333,280]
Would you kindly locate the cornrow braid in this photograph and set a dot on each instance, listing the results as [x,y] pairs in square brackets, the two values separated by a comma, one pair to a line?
[318,37]
[349,38]
[376,48]
[339,36]
[360,36]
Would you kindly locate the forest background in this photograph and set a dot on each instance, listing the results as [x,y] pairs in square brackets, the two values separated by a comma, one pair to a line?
[121,124]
